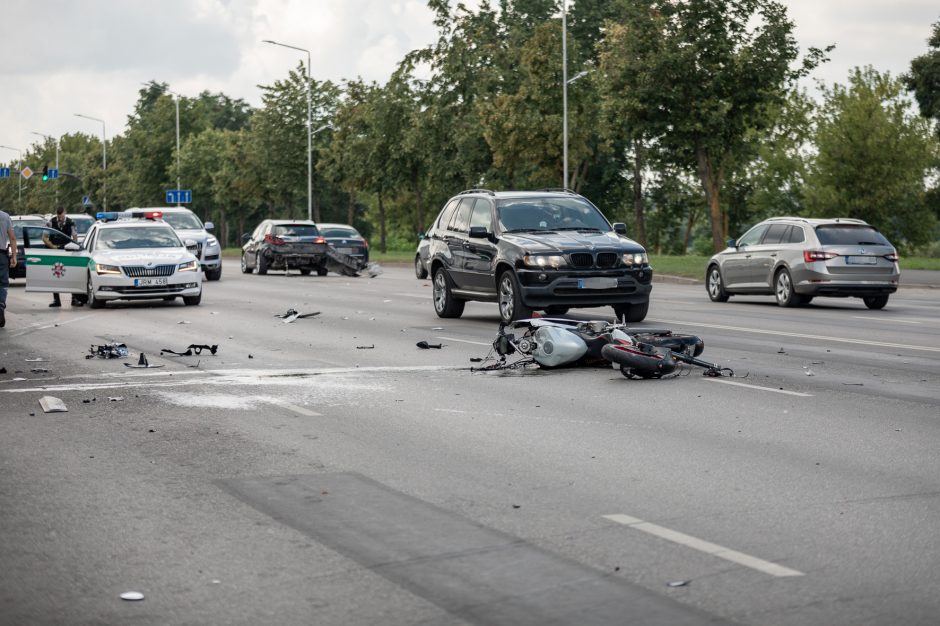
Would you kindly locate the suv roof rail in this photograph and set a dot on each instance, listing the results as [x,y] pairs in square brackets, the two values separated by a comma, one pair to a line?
[792,219]
[847,220]
[560,190]
[486,191]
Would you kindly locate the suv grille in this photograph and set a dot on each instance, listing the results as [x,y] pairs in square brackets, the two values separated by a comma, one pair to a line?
[139,271]
[582,260]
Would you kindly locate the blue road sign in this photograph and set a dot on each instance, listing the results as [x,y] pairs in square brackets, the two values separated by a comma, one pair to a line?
[179,196]
[86,201]
[53,173]
[4,172]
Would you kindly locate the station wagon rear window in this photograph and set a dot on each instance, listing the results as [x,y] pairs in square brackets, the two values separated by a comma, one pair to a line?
[850,235]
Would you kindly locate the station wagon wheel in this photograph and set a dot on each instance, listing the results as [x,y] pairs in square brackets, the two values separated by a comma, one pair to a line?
[783,289]
[511,306]
[445,304]
[715,285]
[875,302]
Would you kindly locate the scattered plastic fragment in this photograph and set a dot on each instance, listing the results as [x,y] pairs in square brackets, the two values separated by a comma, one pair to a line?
[438,328]
[115,398]
[108,351]
[39,370]
[678,583]
[476,359]
[3,370]
[424,345]
[192,349]
[142,362]
[50,404]
[184,322]
[374,270]
[365,347]
[810,373]
[132,596]
[36,360]
[251,356]
[855,384]
[292,315]
[781,351]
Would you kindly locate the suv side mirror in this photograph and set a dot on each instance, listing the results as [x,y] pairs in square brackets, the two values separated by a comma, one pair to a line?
[733,243]
[478,232]
[620,228]
[209,225]
[422,236]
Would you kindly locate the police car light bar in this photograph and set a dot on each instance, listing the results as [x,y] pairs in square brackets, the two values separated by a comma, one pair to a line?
[147,215]
[110,216]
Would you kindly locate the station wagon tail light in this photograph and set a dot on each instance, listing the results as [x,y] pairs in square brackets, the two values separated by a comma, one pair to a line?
[818,255]
[273,240]
[107,269]
[190,266]
[892,256]
[365,243]
[319,240]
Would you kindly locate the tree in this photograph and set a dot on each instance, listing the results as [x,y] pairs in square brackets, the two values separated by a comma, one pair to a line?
[874,158]
[698,76]
[924,78]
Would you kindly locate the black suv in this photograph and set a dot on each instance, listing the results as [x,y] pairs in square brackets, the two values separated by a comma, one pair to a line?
[546,250]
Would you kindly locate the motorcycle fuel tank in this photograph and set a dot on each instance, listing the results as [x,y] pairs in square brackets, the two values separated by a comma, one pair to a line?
[557,346]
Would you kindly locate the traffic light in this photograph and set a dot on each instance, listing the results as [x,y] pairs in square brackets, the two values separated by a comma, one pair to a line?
[45,172]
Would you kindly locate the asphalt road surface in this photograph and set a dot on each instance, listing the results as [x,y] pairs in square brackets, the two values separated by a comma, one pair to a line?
[330,472]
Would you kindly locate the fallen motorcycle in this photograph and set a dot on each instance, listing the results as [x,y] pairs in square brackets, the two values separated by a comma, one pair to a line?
[556,342]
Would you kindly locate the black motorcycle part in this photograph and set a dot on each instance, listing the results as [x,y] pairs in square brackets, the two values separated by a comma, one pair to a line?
[643,360]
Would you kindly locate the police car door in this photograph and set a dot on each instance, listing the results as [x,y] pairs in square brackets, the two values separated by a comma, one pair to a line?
[60,269]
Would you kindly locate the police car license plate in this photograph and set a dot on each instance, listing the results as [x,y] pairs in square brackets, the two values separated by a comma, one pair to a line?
[860,260]
[598,282]
[150,282]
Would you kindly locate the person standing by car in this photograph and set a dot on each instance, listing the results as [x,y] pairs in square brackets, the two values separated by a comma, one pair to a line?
[7,261]
[62,223]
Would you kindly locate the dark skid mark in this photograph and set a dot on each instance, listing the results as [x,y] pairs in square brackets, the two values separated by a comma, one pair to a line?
[476,573]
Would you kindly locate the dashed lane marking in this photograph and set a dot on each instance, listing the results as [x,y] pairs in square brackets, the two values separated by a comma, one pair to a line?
[35,327]
[759,388]
[299,409]
[707,547]
[780,333]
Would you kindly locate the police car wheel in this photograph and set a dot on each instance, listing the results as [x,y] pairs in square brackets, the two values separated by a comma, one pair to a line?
[93,302]
[192,300]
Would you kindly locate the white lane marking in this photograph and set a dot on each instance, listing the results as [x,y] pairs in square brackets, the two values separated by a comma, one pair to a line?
[413,295]
[707,547]
[761,331]
[476,343]
[299,409]
[759,388]
[225,377]
[863,317]
[450,411]
[36,327]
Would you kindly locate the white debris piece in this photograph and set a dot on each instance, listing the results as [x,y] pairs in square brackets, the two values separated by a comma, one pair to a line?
[50,404]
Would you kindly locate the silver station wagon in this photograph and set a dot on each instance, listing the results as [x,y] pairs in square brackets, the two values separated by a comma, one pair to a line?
[797,259]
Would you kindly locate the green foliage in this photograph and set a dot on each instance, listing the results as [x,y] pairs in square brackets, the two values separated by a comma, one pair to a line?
[874,156]
[924,78]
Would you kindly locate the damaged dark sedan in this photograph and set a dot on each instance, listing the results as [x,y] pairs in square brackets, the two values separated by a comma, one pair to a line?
[285,245]
[534,250]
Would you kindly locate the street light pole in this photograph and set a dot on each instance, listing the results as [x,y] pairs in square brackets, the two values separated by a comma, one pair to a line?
[104,156]
[43,135]
[19,200]
[177,134]
[309,127]
[564,89]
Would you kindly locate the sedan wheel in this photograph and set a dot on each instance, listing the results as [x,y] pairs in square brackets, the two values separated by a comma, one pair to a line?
[245,268]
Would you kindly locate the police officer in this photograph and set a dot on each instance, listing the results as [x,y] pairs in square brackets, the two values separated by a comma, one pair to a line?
[64,224]
[7,260]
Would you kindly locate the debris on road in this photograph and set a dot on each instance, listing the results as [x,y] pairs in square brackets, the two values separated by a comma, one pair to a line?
[372,347]
[184,322]
[374,269]
[142,362]
[108,351]
[678,583]
[781,351]
[115,398]
[424,345]
[3,370]
[193,348]
[132,596]
[50,404]
[39,370]
[292,315]
[36,360]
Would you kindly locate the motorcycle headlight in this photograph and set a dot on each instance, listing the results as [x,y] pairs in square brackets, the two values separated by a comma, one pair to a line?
[635,258]
[107,269]
[553,261]
[191,266]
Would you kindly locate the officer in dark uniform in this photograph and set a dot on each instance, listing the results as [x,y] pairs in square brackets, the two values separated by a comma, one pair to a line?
[62,223]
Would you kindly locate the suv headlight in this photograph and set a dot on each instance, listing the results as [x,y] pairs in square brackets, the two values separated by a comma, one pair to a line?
[191,266]
[553,261]
[212,241]
[635,258]
[107,269]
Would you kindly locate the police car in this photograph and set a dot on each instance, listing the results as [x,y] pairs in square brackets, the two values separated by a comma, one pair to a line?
[125,256]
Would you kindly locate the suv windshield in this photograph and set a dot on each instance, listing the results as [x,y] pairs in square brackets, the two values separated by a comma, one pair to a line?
[138,237]
[549,213]
[182,221]
[846,235]
[295,230]
[82,224]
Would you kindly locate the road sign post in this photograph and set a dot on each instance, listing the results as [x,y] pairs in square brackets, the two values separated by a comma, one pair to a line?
[179,196]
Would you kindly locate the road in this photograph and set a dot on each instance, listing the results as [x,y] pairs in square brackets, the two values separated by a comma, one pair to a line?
[328,471]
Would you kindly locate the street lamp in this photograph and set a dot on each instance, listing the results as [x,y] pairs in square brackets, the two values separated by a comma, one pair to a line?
[177,134]
[19,200]
[104,156]
[309,127]
[564,90]
[45,136]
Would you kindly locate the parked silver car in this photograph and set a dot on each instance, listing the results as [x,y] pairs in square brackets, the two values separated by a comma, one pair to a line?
[188,226]
[797,259]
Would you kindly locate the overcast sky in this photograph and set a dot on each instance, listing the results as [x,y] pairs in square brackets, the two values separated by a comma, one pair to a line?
[62,57]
